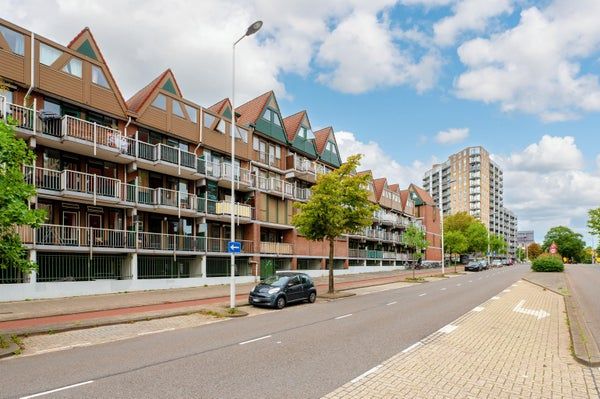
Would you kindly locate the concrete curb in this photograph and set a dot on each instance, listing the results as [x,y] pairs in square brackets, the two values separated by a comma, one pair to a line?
[585,350]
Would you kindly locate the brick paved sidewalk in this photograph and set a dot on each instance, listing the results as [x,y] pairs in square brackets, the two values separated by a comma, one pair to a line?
[491,352]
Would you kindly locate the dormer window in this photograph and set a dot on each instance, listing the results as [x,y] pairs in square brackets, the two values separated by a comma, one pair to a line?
[192,113]
[98,77]
[160,102]
[14,39]
[73,67]
[48,55]
[306,134]
[177,109]
[331,147]
[272,117]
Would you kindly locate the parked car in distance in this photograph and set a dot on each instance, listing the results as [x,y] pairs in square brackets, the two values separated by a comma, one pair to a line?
[283,288]
[497,263]
[485,264]
[474,266]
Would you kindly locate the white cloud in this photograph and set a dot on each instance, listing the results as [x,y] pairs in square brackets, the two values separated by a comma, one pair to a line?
[361,54]
[546,191]
[452,136]
[535,67]
[140,41]
[469,15]
[380,162]
[550,154]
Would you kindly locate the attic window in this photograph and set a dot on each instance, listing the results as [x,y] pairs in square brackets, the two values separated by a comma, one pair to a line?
[14,39]
[272,117]
[305,133]
[331,147]
[48,55]
[98,77]
[209,120]
[177,109]
[192,113]
[160,102]
[221,126]
[73,67]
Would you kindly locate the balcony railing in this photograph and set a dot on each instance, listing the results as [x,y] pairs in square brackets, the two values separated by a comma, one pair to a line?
[160,197]
[280,248]
[268,159]
[242,176]
[357,253]
[224,208]
[220,245]
[23,117]
[76,236]
[170,242]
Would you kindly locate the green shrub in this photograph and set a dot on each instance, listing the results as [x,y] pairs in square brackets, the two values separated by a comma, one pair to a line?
[547,263]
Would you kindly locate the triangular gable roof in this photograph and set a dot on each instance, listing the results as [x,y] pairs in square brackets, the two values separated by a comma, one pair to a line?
[379,185]
[85,44]
[292,124]
[404,194]
[394,187]
[252,110]
[422,194]
[321,137]
[220,106]
[165,81]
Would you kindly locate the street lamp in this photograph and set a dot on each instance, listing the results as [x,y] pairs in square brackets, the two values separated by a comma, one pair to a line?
[252,29]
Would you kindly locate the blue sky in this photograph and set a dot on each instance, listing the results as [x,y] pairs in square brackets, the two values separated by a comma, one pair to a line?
[519,77]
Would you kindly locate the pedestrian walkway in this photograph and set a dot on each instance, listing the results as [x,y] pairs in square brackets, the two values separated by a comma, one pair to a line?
[516,345]
[34,315]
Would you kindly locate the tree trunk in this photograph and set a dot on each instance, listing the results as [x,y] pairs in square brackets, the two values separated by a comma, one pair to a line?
[331,246]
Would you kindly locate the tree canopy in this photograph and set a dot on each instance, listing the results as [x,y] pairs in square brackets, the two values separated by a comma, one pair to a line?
[477,237]
[534,250]
[339,204]
[14,196]
[570,244]
[459,221]
[498,244]
[594,222]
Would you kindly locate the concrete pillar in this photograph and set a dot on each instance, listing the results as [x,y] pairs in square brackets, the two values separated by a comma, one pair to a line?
[198,268]
[294,264]
[130,267]
[32,277]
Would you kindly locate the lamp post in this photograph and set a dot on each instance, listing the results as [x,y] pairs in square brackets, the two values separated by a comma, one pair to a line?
[252,29]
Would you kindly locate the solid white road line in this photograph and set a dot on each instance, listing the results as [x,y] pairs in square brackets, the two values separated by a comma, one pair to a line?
[254,340]
[423,294]
[413,346]
[344,316]
[366,373]
[392,303]
[495,297]
[448,328]
[156,332]
[57,390]
[478,309]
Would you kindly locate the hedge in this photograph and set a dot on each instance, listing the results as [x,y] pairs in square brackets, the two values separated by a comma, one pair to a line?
[547,263]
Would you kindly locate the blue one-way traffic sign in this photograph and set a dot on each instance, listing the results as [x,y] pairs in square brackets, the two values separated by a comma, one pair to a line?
[234,247]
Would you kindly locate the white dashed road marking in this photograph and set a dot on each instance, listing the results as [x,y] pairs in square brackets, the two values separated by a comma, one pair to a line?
[57,390]
[254,340]
[344,316]
[392,303]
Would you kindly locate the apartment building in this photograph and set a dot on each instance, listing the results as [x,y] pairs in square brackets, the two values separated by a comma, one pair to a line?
[470,181]
[138,191]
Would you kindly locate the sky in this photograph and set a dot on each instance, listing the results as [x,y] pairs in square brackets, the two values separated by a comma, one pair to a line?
[405,82]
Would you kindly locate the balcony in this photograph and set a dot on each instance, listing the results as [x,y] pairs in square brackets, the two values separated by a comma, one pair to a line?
[222,209]
[76,237]
[278,248]
[157,242]
[23,117]
[302,194]
[301,168]
[387,218]
[357,253]
[219,245]
[244,180]
[161,200]
[165,159]
[71,184]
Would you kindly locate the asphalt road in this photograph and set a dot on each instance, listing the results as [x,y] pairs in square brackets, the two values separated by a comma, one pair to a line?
[584,281]
[304,351]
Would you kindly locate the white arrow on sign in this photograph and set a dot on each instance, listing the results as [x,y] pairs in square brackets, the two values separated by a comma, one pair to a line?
[540,314]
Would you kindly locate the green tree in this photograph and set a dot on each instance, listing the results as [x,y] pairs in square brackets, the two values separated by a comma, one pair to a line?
[455,242]
[459,221]
[339,204]
[534,250]
[14,196]
[498,244]
[594,222]
[477,237]
[570,244]
[415,237]
[520,254]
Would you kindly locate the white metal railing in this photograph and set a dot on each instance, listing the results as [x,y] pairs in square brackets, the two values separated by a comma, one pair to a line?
[23,117]
[78,236]
[94,133]
[242,175]
[263,183]
[86,183]
[282,248]
[288,189]
[276,185]
[303,164]
[268,159]
[302,194]
[213,169]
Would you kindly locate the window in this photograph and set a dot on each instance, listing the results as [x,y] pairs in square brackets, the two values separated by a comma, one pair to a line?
[276,119]
[242,134]
[14,39]
[48,55]
[255,143]
[277,152]
[8,95]
[331,147]
[98,77]
[73,67]
[177,109]
[209,120]
[51,107]
[192,113]
[267,115]
[221,126]
[160,102]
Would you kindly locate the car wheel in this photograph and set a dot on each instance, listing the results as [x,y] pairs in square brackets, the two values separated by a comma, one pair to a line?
[280,303]
[312,297]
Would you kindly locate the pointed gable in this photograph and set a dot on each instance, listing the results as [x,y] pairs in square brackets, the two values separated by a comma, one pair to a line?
[299,133]
[85,44]
[408,206]
[420,196]
[379,185]
[371,187]
[327,148]
[220,106]
[264,114]
[144,97]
